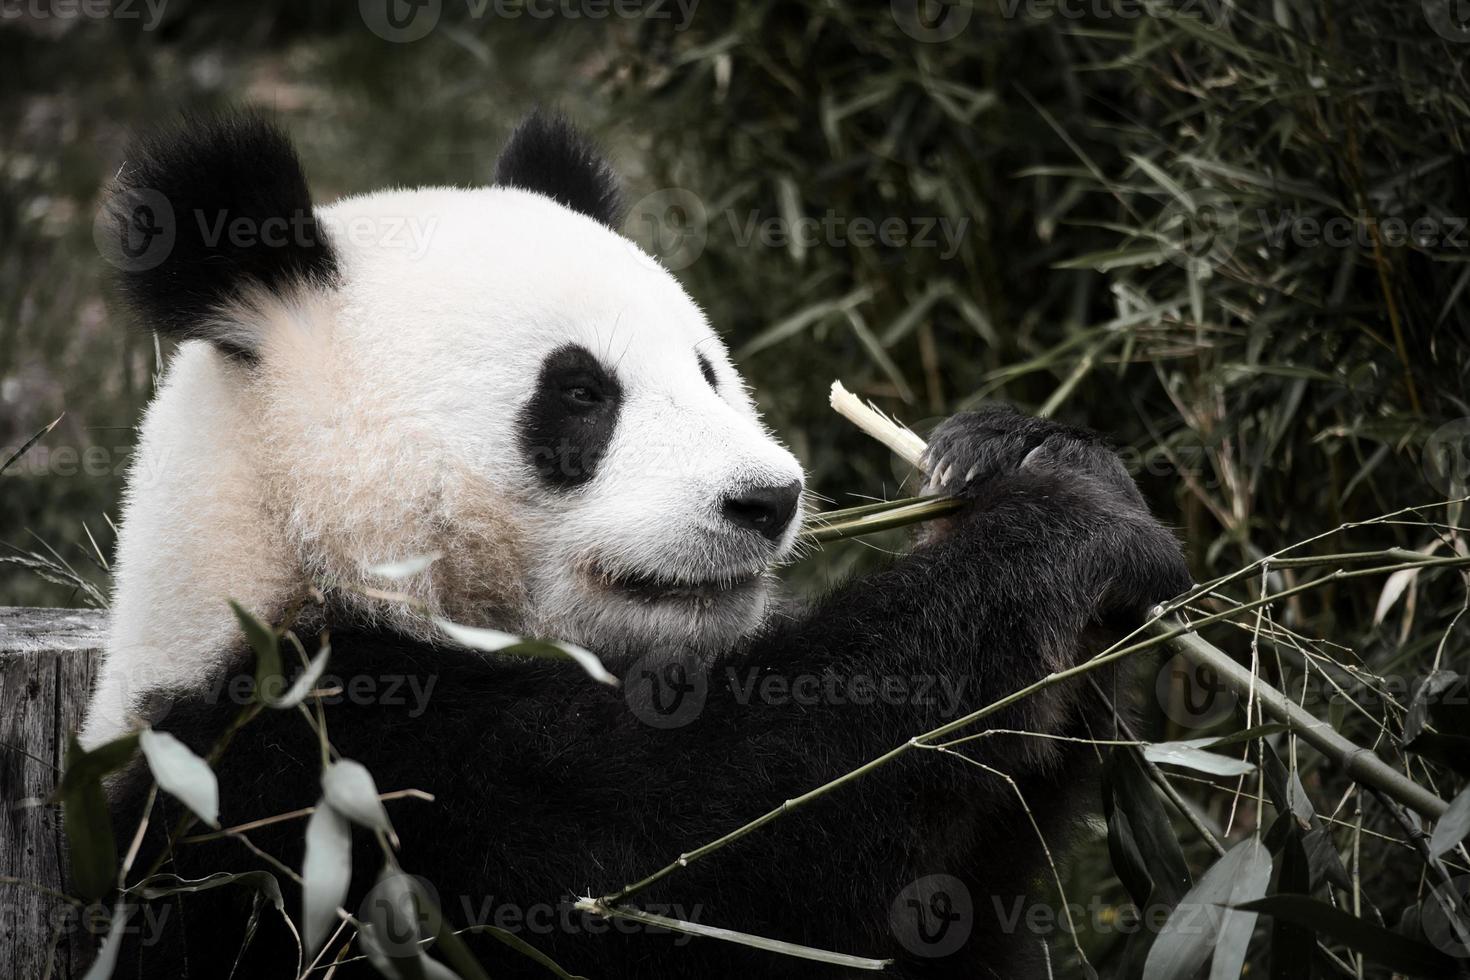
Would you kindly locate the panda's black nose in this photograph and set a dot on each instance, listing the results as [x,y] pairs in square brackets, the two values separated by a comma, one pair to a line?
[765,509]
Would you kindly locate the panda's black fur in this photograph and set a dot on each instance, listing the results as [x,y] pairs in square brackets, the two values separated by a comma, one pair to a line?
[198,211]
[561,440]
[548,155]
[548,786]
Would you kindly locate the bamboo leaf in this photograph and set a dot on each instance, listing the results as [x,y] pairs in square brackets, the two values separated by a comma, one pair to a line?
[106,961]
[348,788]
[1373,941]
[1292,945]
[1453,827]
[1398,583]
[1191,755]
[86,818]
[163,885]
[496,641]
[326,872]
[266,645]
[800,320]
[1144,850]
[91,848]
[26,447]
[1166,182]
[1214,912]
[406,568]
[305,681]
[182,774]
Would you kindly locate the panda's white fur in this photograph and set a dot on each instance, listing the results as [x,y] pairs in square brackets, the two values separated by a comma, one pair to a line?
[375,425]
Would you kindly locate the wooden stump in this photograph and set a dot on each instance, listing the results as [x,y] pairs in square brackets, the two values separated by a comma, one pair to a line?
[47,659]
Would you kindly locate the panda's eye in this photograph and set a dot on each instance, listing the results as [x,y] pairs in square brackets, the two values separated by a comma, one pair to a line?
[582,395]
[708,371]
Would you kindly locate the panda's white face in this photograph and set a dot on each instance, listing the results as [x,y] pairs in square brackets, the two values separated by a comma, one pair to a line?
[527,367]
[485,376]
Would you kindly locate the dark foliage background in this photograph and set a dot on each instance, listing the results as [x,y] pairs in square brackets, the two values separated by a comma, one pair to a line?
[1232,235]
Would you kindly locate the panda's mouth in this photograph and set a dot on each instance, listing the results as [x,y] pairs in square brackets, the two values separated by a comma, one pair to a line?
[646,587]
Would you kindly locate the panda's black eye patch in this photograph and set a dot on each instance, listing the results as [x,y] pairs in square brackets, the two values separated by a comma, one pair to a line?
[567,423]
[708,370]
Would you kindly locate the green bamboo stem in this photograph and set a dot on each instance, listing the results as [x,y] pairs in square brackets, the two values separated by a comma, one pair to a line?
[795,950]
[878,506]
[876,517]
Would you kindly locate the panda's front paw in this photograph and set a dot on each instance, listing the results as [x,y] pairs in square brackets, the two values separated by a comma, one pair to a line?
[971,449]
[1077,503]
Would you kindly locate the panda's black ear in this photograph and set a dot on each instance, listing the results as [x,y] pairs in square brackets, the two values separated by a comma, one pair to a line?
[548,155]
[204,211]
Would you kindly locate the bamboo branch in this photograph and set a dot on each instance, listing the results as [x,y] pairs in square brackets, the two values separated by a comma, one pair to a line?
[796,950]
[904,443]
[879,518]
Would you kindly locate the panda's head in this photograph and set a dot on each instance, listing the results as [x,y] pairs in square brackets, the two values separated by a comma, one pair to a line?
[490,375]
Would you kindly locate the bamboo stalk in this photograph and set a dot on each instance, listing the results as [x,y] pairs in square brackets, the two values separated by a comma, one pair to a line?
[597,907]
[883,518]
[896,437]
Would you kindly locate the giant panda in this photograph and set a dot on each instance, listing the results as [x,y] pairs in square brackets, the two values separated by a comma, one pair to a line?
[535,404]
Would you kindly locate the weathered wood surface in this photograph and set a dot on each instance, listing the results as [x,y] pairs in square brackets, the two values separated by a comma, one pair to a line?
[47,658]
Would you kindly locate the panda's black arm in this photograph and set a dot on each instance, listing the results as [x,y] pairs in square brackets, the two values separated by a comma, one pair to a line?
[1056,548]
